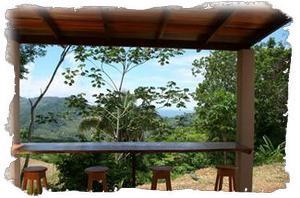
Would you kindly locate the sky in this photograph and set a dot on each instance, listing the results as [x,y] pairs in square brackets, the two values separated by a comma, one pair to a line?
[148,74]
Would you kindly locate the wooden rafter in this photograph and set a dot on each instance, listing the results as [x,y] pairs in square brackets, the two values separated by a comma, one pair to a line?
[14,34]
[103,14]
[162,25]
[258,36]
[130,42]
[219,23]
[139,29]
[51,23]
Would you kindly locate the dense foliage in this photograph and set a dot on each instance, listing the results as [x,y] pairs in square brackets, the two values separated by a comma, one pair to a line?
[216,95]
[271,89]
[267,153]
[118,114]
[55,122]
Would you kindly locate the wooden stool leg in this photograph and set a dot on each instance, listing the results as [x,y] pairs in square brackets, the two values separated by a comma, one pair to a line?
[25,180]
[217,182]
[90,184]
[234,184]
[31,187]
[154,183]
[220,182]
[45,184]
[104,184]
[39,186]
[168,183]
[230,183]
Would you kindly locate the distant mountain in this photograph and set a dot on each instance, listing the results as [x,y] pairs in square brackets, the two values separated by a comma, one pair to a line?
[172,112]
[62,129]
[47,104]
[184,120]
[67,129]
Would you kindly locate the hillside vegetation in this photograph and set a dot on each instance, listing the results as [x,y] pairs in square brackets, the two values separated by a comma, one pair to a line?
[61,125]
[63,122]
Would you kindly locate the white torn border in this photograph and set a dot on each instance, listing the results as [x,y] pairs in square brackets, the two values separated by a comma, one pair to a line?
[7,83]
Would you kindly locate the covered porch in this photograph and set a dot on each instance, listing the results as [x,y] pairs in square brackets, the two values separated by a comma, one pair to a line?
[217,28]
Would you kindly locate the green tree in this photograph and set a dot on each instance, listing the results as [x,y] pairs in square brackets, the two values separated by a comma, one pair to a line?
[118,114]
[216,95]
[133,122]
[272,62]
[124,114]
[28,54]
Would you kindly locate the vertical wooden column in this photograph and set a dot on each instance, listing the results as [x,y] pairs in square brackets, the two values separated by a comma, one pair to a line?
[13,57]
[133,171]
[245,117]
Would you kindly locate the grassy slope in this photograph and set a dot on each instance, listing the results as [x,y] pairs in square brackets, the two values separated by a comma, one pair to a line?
[266,178]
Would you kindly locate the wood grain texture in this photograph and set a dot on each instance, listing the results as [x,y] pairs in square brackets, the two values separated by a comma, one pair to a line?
[128,147]
[220,28]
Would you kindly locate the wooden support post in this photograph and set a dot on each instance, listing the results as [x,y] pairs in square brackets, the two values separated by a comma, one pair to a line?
[133,164]
[245,117]
[13,57]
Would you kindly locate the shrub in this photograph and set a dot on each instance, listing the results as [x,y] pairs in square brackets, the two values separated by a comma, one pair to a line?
[72,176]
[268,153]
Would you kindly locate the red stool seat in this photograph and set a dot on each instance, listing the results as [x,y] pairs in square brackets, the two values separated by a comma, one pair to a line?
[96,169]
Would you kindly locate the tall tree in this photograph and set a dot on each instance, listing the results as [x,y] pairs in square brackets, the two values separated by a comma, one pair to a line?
[119,114]
[122,113]
[272,62]
[34,103]
[216,95]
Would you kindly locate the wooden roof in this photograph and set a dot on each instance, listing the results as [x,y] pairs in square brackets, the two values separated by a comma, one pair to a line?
[224,28]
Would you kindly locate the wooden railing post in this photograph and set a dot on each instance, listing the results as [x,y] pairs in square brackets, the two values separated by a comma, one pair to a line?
[245,117]
[13,56]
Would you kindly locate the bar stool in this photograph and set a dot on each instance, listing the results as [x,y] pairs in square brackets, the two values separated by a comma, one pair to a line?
[34,173]
[161,172]
[223,171]
[96,173]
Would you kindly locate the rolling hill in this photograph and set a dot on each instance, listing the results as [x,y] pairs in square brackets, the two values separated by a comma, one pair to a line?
[61,130]
[67,129]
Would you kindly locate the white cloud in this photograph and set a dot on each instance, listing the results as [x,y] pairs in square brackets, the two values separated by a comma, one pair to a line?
[187,58]
[185,78]
[32,87]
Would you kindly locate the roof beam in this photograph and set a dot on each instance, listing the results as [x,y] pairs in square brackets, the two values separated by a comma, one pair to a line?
[162,25]
[103,14]
[219,23]
[130,42]
[50,22]
[12,34]
[278,22]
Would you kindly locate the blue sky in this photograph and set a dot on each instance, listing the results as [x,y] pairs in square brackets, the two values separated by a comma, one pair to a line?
[149,74]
